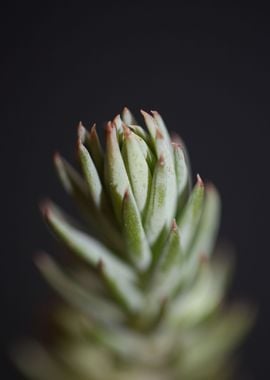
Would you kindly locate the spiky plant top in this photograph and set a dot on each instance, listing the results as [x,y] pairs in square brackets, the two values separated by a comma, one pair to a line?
[142,298]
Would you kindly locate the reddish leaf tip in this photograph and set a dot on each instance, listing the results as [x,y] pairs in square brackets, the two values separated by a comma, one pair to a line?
[126,195]
[127,131]
[93,129]
[144,113]
[109,127]
[200,181]
[176,145]
[159,135]
[203,258]
[56,157]
[45,207]
[174,226]
[161,160]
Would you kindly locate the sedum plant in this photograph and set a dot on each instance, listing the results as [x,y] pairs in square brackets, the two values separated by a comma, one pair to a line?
[142,296]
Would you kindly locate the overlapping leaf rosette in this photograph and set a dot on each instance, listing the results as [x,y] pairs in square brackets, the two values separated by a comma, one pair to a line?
[142,299]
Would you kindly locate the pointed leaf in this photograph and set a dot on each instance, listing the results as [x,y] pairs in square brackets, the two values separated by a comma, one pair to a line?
[127,117]
[118,276]
[151,126]
[74,294]
[162,127]
[91,176]
[71,180]
[168,267]
[182,177]
[96,150]
[137,169]
[137,245]
[161,203]
[115,172]
[204,296]
[191,215]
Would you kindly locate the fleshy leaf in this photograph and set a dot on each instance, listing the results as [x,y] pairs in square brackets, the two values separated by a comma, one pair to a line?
[96,150]
[91,176]
[136,242]
[74,294]
[168,266]
[161,206]
[191,215]
[118,276]
[137,169]
[127,117]
[115,172]
[205,238]
[182,178]
[204,296]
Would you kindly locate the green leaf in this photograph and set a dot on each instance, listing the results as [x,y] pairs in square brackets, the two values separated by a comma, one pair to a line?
[137,169]
[71,180]
[127,117]
[115,172]
[176,139]
[136,242]
[118,125]
[205,238]
[96,150]
[93,145]
[76,295]
[171,255]
[151,126]
[182,178]
[162,127]
[189,220]
[147,153]
[161,206]
[91,176]
[140,132]
[118,276]
[167,269]
[100,224]
[205,294]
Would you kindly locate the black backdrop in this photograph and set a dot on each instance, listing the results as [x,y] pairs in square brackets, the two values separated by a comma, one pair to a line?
[206,69]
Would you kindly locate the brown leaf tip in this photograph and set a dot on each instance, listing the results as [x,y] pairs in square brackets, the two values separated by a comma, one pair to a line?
[45,208]
[161,160]
[81,131]
[93,130]
[159,135]
[174,226]
[200,181]
[127,131]
[126,195]
[203,258]
[56,158]
[126,110]
[109,127]
[176,145]
[79,145]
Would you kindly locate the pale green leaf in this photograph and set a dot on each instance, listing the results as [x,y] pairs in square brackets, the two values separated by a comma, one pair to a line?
[136,242]
[137,169]
[118,276]
[66,286]
[190,218]
[115,172]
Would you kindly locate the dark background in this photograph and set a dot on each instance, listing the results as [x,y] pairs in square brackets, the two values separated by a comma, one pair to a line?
[206,69]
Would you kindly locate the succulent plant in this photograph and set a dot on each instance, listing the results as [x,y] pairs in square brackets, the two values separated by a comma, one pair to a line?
[142,297]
